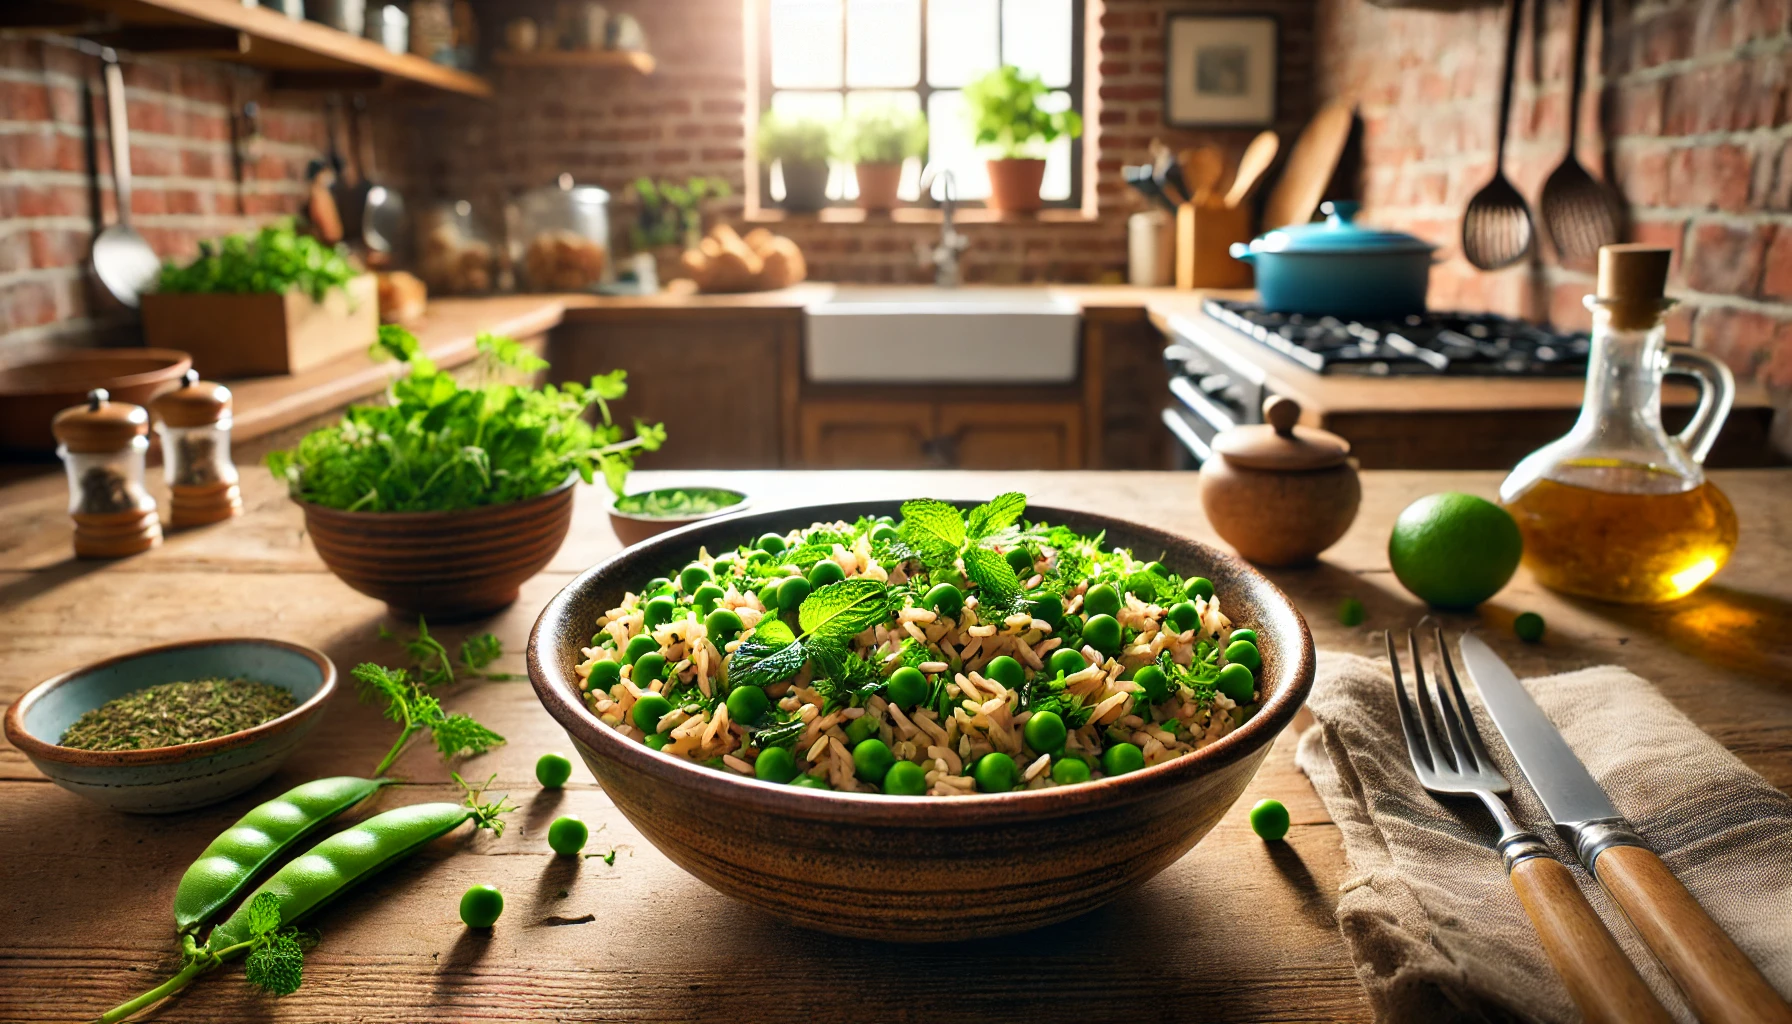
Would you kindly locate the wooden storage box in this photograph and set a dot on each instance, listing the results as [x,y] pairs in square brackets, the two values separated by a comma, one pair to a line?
[262,335]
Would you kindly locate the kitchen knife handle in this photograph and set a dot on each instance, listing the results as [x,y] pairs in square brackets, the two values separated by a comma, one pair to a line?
[1718,979]
[1600,978]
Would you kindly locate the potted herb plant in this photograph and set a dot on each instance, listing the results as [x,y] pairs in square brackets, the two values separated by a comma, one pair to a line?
[877,141]
[1008,122]
[670,218]
[799,146]
[444,500]
[272,302]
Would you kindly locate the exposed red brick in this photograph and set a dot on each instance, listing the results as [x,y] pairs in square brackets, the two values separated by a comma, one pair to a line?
[1726,259]
[1776,278]
[1711,177]
[1742,338]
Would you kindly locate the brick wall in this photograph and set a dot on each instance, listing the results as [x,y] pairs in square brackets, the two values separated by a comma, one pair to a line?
[688,118]
[50,100]
[1695,119]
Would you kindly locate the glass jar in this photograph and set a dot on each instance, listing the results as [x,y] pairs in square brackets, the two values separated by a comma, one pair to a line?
[108,483]
[454,255]
[194,422]
[102,445]
[562,237]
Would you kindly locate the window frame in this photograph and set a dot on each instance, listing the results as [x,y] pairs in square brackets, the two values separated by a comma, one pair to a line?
[760,49]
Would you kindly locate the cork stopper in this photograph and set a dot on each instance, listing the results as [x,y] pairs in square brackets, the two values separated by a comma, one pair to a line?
[101,425]
[1280,444]
[195,403]
[1632,282]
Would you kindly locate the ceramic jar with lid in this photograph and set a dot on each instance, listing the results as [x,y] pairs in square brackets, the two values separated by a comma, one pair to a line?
[195,428]
[102,443]
[564,234]
[1280,493]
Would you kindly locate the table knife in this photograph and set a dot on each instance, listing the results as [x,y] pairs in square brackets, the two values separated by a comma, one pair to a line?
[1717,978]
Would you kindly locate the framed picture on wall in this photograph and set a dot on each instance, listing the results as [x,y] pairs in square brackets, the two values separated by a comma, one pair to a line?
[1220,70]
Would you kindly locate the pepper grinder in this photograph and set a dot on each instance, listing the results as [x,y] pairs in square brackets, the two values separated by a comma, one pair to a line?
[103,444]
[195,428]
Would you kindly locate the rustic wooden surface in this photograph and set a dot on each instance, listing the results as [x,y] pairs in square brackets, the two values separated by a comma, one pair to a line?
[1237,930]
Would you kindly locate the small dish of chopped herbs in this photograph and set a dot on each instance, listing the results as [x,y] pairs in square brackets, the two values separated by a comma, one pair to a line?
[678,502]
[172,714]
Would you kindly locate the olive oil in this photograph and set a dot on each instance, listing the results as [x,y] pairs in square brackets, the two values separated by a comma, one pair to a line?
[1623,532]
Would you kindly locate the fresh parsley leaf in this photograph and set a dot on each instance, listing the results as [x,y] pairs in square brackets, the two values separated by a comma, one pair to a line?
[995,578]
[276,964]
[933,529]
[845,678]
[264,914]
[844,609]
[1148,586]
[459,735]
[995,515]
[476,652]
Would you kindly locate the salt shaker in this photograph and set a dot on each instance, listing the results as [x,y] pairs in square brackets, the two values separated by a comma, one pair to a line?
[103,444]
[195,428]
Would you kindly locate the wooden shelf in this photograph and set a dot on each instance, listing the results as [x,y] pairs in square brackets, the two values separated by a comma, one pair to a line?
[630,59]
[304,50]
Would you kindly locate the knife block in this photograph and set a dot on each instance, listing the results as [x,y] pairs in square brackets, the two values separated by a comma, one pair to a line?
[1204,234]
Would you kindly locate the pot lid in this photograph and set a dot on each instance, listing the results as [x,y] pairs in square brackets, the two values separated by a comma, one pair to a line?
[195,403]
[101,425]
[1279,444]
[565,189]
[1338,234]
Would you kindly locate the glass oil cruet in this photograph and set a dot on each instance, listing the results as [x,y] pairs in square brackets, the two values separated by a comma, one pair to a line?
[1617,509]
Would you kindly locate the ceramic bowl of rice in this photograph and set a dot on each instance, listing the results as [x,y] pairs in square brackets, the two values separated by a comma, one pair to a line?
[953,861]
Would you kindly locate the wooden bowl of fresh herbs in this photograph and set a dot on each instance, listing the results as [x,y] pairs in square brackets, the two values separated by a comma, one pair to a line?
[173,727]
[447,498]
[636,517]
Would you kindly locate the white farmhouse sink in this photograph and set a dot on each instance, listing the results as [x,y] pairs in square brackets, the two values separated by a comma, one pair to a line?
[982,336]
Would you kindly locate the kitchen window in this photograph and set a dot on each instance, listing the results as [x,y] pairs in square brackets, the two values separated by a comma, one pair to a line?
[830,58]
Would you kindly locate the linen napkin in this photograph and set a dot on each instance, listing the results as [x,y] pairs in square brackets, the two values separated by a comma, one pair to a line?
[1431,920]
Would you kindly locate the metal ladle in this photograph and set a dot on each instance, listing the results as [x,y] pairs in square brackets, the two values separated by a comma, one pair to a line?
[1496,228]
[1580,212]
[122,259]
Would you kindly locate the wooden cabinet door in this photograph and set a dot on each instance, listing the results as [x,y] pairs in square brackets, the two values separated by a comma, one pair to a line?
[867,435]
[1011,435]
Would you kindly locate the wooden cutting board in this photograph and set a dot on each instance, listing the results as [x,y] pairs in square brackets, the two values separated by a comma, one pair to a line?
[1310,166]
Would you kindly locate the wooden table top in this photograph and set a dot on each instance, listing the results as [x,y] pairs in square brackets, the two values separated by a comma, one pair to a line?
[1238,929]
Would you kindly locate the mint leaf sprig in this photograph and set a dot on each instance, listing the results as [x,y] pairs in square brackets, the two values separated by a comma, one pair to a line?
[940,536]
[829,618]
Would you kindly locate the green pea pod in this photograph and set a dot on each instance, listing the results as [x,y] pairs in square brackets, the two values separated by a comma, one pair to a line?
[241,852]
[337,863]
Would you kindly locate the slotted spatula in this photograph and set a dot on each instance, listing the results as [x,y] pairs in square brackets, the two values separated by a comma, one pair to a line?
[1496,228]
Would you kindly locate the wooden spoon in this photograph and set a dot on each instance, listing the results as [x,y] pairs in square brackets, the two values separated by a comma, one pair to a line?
[1580,213]
[1496,228]
[1202,166]
[1257,158]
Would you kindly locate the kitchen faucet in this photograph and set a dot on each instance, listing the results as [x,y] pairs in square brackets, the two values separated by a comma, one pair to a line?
[944,256]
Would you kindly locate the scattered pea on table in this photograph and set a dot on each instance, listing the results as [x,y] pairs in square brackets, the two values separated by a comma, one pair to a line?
[1529,627]
[1269,819]
[1350,612]
[552,770]
[567,835]
[481,905]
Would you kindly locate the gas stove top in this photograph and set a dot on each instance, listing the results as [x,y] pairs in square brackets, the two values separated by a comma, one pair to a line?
[1436,344]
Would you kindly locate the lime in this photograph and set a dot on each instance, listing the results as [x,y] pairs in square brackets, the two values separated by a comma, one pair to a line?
[1454,550]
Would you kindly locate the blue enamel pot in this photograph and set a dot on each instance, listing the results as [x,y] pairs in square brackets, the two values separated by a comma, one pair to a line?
[1338,268]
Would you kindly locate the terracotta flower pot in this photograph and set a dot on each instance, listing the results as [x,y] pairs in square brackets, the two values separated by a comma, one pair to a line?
[1014,185]
[446,565]
[805,185]
[877,185]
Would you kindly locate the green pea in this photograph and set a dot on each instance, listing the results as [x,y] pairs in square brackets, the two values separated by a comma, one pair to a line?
[945,599]
[1269,819]
[1529,627]
[693,576]
[1102,632]
[1122,758]
[995,772]
[906,687]
[1048,608]
[233,859]
[1351,612]
[552,770]
[657,586]
[649,668]
[791,593]
[1101,599]
[648,711]
[747,703]
[722,625]
[755,556]
[884,533]
[775,764]
[810,782]
[1070,770]
[1184,617]
[1066,662]
[1153,682]
[860,729]
[768,596]
[1236,682]
[1244,634]
[1158,569]
[1044,731]
[952,576]
[659,611]
[1007,671]
[658,740]
[724,564]
[905,778]
[638,646]
[707,597]
[604,674]
[771,544]
[825,572]
[481,905]
[1243,652]
[1021,561]
[871,760]
[1197,586]
[567,835]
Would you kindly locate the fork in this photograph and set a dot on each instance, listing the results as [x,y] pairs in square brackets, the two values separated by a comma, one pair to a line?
[1450,759]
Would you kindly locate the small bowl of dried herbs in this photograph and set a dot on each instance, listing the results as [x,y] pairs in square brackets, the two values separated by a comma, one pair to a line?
[173,727]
